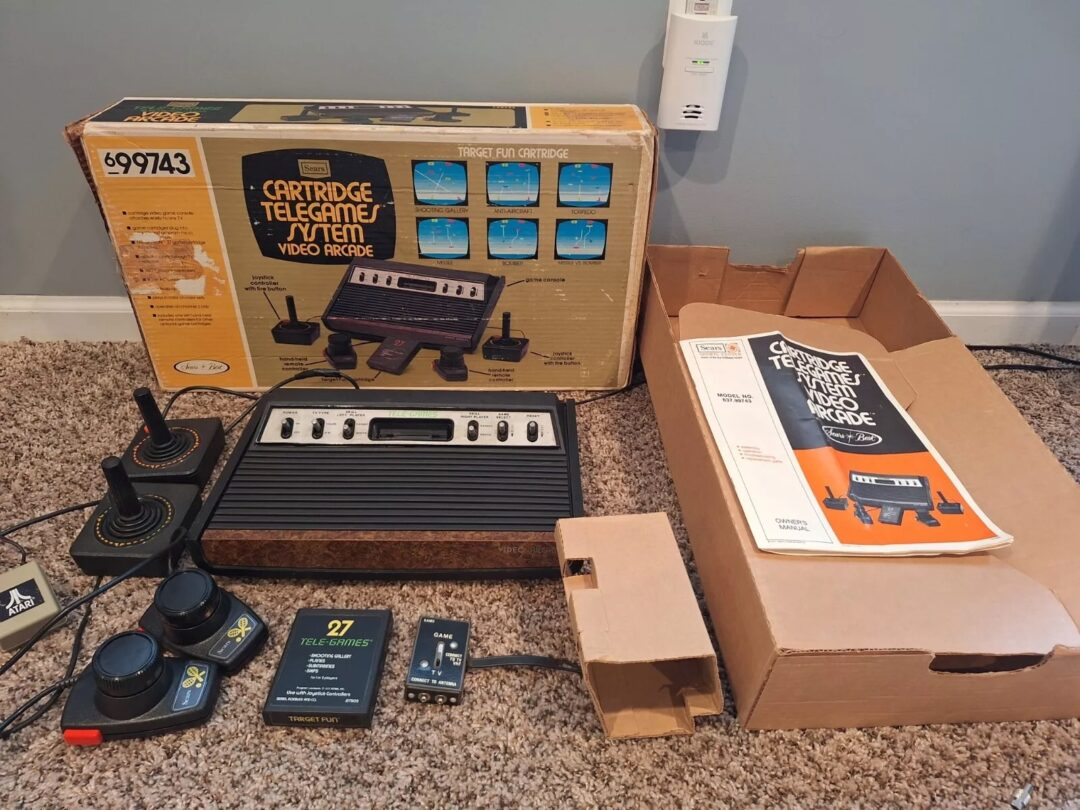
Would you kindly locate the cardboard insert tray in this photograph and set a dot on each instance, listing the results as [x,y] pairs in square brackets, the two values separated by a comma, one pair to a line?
[835,642]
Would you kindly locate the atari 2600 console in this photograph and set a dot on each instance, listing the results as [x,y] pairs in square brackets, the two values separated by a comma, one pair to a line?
[394,484]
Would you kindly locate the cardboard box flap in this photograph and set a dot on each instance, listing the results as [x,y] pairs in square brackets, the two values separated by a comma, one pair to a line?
[896,313]
[833,282]
[901,688]
[1015,477]
[714,320]
[976,604]
[646,655]
[696,274]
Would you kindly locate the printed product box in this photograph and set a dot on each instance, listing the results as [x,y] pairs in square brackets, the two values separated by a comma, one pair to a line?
[835,641]
[511,235]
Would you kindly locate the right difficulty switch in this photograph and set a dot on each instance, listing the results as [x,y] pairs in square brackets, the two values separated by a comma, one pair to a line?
[505,348]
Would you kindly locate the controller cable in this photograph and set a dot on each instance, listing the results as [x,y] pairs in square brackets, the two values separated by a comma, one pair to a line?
[211,388]
[66,610]
[9,725]
[636,381]
[1067,363]
[325,373]
[532,661]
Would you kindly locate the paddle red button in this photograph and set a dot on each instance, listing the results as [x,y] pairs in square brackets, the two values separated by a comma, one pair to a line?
[83,736]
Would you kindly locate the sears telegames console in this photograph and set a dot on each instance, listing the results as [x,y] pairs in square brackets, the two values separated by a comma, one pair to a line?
[394,483]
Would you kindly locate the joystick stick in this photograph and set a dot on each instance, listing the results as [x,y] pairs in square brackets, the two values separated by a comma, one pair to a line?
[133,522]
[191,616]
[130,689]
[451,364]
[505,348]
[339,351]
[294,331]
[181,451]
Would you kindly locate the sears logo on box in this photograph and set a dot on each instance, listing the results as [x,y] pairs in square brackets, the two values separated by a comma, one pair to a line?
[314,169]
[319,206]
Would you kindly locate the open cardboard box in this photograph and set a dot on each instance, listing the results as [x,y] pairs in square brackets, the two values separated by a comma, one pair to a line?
[835,642]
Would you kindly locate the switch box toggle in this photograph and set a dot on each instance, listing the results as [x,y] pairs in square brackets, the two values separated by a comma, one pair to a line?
[437,670]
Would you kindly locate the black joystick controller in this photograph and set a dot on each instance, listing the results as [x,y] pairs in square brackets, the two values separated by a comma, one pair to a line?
[180,451]
[131,689]
[339,351]
[133,522]
[191,616]
[451,364]
[505,348]
[130,516]
[294,331]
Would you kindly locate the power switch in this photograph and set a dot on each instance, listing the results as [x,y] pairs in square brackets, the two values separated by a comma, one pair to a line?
[286,427]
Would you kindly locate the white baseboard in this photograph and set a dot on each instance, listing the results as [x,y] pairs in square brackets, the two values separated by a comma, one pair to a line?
[56,317]
[1001,322]
[67,317]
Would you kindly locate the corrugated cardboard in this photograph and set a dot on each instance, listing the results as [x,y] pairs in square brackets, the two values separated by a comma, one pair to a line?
[647,659]
[220,208]
[835,642]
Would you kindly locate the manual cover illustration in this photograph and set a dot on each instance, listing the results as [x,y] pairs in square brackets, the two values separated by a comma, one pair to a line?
[823,458]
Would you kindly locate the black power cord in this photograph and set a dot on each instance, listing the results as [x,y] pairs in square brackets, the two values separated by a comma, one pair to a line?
[47,516]
[533,661]
[177,539]
[636,381]
[1067,363]
[19,547]
[9,725]
[211,388]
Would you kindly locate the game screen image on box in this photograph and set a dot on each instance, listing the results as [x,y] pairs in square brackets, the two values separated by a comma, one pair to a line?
[584,185]
[580,239]
[440,182]
[512,238]
[513,184]
[442,238]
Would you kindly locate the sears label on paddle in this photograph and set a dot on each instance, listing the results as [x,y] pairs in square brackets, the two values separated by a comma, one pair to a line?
[319,206]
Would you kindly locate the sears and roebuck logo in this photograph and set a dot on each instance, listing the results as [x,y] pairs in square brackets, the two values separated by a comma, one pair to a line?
[726,349]
[314,169]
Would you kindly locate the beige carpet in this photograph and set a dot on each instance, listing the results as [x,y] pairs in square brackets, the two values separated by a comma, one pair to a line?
[522,737]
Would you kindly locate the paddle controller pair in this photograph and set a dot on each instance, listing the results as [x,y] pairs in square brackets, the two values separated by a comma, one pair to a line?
[132,689]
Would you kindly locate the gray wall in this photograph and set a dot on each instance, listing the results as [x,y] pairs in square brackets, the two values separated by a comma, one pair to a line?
[948,131]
